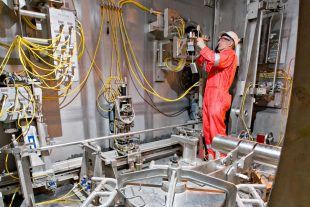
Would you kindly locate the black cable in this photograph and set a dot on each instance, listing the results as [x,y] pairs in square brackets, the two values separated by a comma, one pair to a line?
[64,99]
[101,113]
[81,88]
[153,105]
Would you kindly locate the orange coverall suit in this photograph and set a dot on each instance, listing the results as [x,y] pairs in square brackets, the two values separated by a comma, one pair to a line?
[221,68]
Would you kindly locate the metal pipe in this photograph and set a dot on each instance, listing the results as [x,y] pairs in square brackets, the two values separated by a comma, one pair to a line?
[267,153]
[253,201]
[268,42]
[258,186]
[156,166]
[262,152]
[37,40]
[110,199]
[34,14]
[22,165]
[1,200]
[97,192]
[239,201]
[20,20]
[277,60]
[252,190]
[103,181]
[171,190]
[225,144]
[90,198]
[245,147]
[111,137]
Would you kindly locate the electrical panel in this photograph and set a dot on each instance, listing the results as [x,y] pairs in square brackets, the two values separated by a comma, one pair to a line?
[180,47]
[265,86]
[62,28]
[274,38]
[174,48]
[18,103]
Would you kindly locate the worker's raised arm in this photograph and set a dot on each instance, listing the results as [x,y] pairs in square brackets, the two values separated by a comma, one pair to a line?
[221,60]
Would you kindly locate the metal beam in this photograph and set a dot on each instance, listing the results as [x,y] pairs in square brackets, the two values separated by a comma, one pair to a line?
[32,14]
[112,136]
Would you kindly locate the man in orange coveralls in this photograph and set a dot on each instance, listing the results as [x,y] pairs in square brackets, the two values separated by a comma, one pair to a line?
[221,67]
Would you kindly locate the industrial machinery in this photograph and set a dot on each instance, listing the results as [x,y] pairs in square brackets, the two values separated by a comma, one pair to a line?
[82,127]
[243,176]
[124,121]
[174,46]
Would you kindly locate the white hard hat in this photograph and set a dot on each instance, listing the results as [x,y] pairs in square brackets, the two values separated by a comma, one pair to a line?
[233,36]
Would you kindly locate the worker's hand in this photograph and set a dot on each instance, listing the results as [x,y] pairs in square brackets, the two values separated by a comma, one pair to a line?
[201,43]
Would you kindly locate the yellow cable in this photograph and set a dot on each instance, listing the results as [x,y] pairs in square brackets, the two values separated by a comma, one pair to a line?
[123,2]
[67,195]
[39,47]
[29,23]
[289,80]
[42,78]
[115,43]
[32,100]
[13,197]
[7,169]
[125,38]
[151,91]
[3,103]
[4,45]
[94,56]
[44,61]
[7,56]
[64,197]
[22,43]
[114,39]
[242,110]
[82,41]
[16,99]
[15,102]
[107,89]
[177,68]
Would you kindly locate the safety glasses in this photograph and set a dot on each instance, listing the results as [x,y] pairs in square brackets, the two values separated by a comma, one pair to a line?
[225,38]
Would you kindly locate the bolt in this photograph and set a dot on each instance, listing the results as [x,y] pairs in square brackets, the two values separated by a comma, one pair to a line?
[174,159]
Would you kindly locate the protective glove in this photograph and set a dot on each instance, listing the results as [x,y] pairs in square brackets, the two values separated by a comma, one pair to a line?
[201,43]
